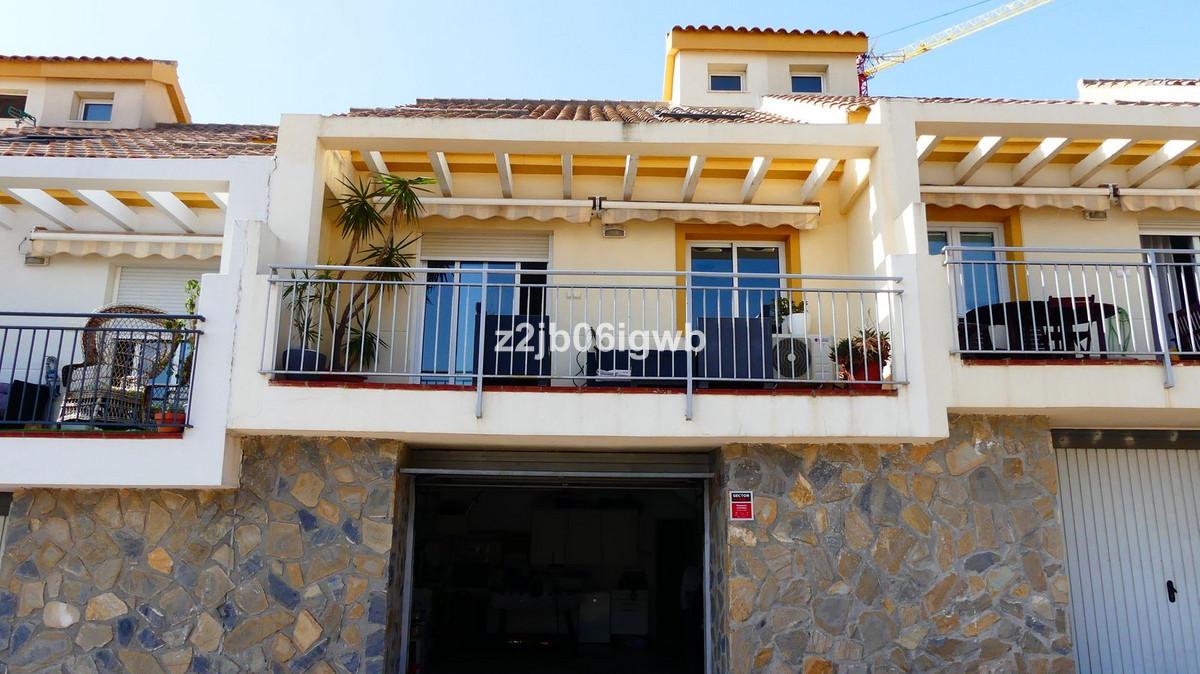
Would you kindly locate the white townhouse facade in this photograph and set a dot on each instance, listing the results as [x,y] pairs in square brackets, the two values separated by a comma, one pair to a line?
[763,376]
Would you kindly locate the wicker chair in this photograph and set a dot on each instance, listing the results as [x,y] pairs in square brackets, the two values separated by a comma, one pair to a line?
[122,356]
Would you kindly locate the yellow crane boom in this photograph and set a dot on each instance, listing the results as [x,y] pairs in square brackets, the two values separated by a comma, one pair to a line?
[874,63]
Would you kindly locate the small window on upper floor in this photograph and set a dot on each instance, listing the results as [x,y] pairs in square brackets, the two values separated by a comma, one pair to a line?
[11,104]
[726,77]
[93,107]
[807,84]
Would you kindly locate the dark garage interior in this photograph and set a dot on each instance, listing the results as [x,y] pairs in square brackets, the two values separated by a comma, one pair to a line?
[537,577]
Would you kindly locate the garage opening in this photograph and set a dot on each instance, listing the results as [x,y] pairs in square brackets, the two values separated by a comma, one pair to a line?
[566,573]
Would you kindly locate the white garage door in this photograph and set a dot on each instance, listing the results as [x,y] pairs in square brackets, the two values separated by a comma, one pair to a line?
[1130,518]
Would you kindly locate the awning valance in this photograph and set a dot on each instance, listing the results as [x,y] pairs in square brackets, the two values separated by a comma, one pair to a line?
[615,212]
[45,244]
[1087,198]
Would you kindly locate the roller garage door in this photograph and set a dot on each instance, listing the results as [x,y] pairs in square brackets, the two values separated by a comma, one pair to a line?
[1130,519]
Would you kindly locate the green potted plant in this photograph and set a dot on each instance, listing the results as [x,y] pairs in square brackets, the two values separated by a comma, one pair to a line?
[370,217]
[169,415]
[863,356]
[790,316]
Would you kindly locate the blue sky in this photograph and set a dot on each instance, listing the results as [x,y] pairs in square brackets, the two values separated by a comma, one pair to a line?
[249,60]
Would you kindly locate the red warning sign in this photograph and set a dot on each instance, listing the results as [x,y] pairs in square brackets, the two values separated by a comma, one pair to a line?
[741,505]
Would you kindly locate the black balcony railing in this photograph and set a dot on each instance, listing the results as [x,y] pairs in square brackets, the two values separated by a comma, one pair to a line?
[121,368]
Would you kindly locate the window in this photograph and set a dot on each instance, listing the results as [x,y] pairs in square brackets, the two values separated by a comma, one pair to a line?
[454,301]
[979,281]
[10,103]
[725,82]
[807,84]
[1179,284]
[95,111]
[733,296]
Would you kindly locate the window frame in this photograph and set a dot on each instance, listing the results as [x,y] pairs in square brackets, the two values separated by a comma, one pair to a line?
[780,249]
[23,95]
[85,101]
[727,71]
[819,76]
[954,232]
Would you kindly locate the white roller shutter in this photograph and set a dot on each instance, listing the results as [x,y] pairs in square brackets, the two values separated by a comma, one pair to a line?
[1130,517]
[486,246]
[160,288]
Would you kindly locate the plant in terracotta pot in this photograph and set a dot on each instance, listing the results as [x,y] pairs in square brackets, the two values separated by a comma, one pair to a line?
[169,416]
[863,356]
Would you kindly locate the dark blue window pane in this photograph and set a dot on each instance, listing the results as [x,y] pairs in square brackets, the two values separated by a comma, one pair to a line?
[97,112]
[708,298]
[757,260]
[806,84]
[725,82]
[938,242]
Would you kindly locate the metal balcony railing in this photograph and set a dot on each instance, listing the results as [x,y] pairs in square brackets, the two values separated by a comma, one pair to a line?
[109,370]
[584,328]
[1059,303]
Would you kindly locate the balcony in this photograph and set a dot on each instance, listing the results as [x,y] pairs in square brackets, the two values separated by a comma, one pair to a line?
[1059,320]
[123,371]
[576,355]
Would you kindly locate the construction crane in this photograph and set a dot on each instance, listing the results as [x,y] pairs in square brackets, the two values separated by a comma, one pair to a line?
[871,64]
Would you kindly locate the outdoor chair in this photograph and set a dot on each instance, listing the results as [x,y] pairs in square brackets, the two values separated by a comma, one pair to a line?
[1068,337]
[122,357]
[1186,325]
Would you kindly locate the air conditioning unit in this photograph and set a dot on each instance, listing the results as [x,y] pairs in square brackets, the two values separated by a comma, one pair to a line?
[803,357]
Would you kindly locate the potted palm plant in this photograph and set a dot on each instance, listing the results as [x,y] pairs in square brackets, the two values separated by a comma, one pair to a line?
[370,218]
[862,357]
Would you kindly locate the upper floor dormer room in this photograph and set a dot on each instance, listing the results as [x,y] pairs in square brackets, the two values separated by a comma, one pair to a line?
[89,92]
[728,66]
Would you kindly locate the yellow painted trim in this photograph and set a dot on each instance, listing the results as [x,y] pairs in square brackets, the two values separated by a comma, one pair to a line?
[681,40]
[1010,221]
[685,233]
[162,72]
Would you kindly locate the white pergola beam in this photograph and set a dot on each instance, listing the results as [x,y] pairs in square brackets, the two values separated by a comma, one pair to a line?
[817,178]
[221,199]
[110,207]
[1098,159]
[1191,177]
[441,171]
[855,176]
[754,178]
[631,166]
[692,178]
[976,158]
[8,217]
[1037,160]
[504,168]
[568,176]
[374,161]
[1166,155]
[173,208]
[925,145]
[46,205]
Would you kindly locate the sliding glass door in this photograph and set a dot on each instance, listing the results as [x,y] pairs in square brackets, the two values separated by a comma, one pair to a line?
[735,296]
[456,298]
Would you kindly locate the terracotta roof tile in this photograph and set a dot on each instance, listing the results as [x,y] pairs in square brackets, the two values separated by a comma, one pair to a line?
[855,102]
[82,59]
[630,112]
[165,141]
[1169,82]
[766,31]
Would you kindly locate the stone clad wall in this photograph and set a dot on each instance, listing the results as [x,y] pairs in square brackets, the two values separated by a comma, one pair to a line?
[904,558]
[290,572]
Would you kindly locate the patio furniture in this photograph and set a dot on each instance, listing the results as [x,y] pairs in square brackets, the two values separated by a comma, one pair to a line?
[1065,337]
[735,349]
[1031,324]
[22,403]
[1186,324]
[125,348]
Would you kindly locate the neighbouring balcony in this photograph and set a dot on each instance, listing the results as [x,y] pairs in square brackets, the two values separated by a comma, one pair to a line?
[1062,306]
[121,369]
[606,331]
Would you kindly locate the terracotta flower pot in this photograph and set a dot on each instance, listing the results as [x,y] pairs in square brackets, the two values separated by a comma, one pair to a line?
[169,422]
[871,372]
